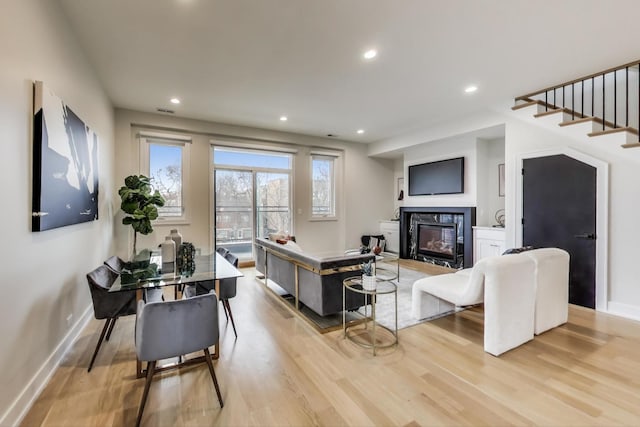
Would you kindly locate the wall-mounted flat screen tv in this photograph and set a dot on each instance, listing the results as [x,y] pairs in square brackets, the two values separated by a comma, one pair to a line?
[442,177]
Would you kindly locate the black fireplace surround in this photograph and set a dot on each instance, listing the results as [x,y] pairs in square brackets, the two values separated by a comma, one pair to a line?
[455,252]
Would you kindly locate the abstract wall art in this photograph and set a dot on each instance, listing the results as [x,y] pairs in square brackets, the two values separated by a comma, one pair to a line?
[65,164]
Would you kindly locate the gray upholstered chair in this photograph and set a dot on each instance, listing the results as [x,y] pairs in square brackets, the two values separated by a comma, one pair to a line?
[108,305]
[175,328]
[222,250]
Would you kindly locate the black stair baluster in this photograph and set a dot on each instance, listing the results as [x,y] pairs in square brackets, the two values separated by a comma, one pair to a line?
[593,113]
[603,107]
[573,108]
[615,99]
[582,99]
[546,100]
[626,99]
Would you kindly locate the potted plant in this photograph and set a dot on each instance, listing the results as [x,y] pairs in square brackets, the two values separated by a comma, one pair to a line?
[140,205]
[368,278]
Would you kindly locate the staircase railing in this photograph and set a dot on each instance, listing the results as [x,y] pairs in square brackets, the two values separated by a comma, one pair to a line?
[611,97]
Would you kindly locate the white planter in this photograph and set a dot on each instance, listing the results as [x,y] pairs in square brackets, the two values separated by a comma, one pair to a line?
[369,283]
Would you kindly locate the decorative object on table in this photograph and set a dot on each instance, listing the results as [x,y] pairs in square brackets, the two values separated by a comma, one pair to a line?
[186,259]
[168,253]
[177,238]
[140,205]
[400,188]
[499,217]
[368,276]
[65,164]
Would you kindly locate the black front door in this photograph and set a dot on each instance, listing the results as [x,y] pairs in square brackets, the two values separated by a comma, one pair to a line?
[559,210]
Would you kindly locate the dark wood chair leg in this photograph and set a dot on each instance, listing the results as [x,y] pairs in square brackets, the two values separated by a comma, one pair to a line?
[151,367]
[213,376]
[102,334]
[113,323]
[226,302]
[225,309]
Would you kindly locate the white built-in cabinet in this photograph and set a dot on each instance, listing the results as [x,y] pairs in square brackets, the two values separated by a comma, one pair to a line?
[487,241]
[391,232]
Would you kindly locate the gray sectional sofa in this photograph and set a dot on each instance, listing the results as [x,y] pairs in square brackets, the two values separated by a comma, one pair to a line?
[313,280]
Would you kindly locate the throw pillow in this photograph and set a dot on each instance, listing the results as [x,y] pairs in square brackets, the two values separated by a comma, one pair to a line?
[517,250]
[293,246]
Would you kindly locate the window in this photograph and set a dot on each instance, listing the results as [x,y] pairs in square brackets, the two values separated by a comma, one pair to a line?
[323,186]
[252,196]
[165,161]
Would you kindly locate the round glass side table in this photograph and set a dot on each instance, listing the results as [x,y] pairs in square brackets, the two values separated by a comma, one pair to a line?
[372,335]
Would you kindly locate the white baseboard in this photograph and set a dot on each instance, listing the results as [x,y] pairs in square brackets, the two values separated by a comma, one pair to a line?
[624,310]
[19,408]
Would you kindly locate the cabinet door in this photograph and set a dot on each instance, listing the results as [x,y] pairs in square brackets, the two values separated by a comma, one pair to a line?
[391,233]
[487,248]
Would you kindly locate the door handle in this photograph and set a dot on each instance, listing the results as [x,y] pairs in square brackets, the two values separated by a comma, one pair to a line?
[588,236]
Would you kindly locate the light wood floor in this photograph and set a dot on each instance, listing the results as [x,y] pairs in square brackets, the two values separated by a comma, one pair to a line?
[281,372]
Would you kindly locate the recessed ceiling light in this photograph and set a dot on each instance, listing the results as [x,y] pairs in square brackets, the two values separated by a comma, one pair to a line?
[283,118]
[370,54]
[175,101]
[471,89]
[360,130]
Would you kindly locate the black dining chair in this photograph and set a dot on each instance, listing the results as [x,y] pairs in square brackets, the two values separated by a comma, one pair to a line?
[228,290]
[222,250]
[160,334]
[115,263]
[108,305]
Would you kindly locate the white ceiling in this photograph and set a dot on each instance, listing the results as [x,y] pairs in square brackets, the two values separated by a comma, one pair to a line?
[248,62]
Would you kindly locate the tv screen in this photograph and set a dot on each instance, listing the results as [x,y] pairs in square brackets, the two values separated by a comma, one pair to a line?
[443,177]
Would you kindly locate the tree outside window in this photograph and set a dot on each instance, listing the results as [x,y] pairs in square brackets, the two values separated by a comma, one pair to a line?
[323,186]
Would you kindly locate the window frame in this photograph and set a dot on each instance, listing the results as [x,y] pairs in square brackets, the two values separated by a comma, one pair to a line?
[254,170]
[335,162]
[175,141]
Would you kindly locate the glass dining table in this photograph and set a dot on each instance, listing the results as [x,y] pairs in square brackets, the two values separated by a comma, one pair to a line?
[207,268]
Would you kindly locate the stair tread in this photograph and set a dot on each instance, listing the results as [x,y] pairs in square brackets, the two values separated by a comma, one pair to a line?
[614,130]
[524,105]
[580,120]
[550,112]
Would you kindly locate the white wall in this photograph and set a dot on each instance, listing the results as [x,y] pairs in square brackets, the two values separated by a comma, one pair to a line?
[364,200]
[490,154]
[43,274]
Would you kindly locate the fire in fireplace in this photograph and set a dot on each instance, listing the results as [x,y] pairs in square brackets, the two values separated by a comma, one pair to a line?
[438,240]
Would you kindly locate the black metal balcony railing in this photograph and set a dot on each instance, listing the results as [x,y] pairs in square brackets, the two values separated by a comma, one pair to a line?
[611,97]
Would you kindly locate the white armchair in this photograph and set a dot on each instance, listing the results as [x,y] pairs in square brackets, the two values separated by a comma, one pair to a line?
[552,287]
[523,294]
[505,284]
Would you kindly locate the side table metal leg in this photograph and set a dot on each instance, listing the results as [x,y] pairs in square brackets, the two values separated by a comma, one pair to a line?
[373,327]
[395,295]
[344,311]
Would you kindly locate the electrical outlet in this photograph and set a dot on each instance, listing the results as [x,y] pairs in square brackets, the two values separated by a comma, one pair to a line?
[69,319]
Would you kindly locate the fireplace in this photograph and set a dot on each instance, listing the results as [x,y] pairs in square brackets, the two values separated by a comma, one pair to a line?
[446,235]
[438,241]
